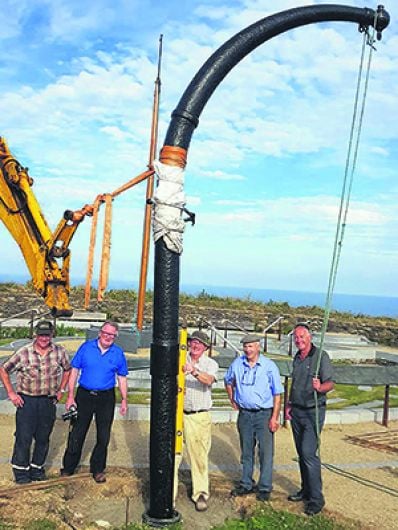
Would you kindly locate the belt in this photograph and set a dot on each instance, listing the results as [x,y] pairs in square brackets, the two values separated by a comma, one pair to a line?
[253,410]
[96,392]
[300,407]
[195,411]
[49,396]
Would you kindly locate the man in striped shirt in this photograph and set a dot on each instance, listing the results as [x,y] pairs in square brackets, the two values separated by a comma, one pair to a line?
[42,372]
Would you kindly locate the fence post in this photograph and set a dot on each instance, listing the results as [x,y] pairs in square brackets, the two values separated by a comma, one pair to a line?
[386,405]
[265,343]
[31,324]
[280,330]
[290,350]
[225,336]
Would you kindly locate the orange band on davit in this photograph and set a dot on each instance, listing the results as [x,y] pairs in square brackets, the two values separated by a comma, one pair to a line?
[173,156]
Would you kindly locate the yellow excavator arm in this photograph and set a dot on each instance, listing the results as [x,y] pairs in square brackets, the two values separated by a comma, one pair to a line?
[46,254]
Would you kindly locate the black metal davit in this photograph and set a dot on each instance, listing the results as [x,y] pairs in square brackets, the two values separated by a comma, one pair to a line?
[185,118]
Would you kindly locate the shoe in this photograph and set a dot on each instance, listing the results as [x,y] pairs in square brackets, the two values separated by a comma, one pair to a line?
[23,480]
[201,504]
[38,477]
[263,496]
[240,491]
[313,509]
[296,497]
[99,477]
[65,473]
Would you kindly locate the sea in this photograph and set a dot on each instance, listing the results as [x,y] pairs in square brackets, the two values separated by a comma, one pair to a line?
[356,304]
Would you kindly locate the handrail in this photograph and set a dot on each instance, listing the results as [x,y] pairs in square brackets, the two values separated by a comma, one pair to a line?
[216,332]
[273,323]
[236,326]
[35,310]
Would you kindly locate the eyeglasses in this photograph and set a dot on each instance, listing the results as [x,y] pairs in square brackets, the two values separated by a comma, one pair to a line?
[110,335]
[249,376]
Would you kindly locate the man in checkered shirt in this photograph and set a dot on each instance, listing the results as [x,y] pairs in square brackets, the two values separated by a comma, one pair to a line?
[200,374]
[42,372]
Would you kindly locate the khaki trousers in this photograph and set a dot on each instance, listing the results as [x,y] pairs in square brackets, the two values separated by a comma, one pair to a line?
[197,441]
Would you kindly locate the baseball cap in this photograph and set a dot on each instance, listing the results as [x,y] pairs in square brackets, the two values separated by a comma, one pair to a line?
[201,336]
[45,327]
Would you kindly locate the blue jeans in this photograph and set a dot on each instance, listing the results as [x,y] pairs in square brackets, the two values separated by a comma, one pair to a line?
[253,430]
[305,439]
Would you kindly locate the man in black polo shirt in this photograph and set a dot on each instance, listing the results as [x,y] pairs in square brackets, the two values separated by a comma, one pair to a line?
[306,389]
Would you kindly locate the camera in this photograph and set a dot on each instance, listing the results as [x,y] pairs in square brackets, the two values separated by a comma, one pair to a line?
[70,414]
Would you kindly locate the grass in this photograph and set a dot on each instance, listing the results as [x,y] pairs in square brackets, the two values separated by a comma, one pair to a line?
[354,396]
[23,332]
[269,518]
[351,395]
[41,524]
[272,519]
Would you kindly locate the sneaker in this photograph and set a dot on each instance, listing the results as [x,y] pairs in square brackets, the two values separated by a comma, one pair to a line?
[201,504]
[263,496]
[313,509]
[296,497]
[240,491]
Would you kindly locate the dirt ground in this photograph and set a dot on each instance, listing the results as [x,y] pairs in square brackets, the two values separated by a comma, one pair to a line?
[360,499]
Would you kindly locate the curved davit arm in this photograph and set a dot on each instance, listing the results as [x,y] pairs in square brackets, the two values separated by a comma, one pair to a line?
[185,118]
[164,348]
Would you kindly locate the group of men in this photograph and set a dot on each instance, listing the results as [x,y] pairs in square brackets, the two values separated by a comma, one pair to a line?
[44,373]
[254,389]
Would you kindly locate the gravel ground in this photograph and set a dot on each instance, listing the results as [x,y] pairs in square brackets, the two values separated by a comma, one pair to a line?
[361,498]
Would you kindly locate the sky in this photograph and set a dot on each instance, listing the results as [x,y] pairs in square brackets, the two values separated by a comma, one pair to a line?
[265,165]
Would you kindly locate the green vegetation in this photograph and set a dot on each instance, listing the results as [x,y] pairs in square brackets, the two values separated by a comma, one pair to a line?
[23,332]
[351,395]
[41,524]
[272,519]
[354,396]
[120,305]
[267,517]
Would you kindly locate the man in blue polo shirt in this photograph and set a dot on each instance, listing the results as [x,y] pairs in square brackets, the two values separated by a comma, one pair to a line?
[254,388]
[99,362]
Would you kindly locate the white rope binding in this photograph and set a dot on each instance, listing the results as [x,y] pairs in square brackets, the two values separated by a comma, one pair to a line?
[168,200]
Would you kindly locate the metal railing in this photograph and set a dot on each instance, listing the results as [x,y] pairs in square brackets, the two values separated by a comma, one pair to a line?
[35,314]
[270,326]
[217,333]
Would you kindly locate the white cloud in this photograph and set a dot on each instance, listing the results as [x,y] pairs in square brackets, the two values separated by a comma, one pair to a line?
[76,108]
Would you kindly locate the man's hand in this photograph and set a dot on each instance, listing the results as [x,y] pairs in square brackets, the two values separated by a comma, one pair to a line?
[234,404]
[288,412]
[273,424]
[188,368]
[123,407]
[16,399]
[316,384]
[69,402]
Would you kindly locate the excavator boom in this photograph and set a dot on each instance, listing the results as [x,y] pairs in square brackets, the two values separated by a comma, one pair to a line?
[46,254]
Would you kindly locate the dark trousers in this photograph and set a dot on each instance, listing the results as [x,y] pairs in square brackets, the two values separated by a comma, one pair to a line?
[306,441]
[253,429]
[34,422]
[101,405]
